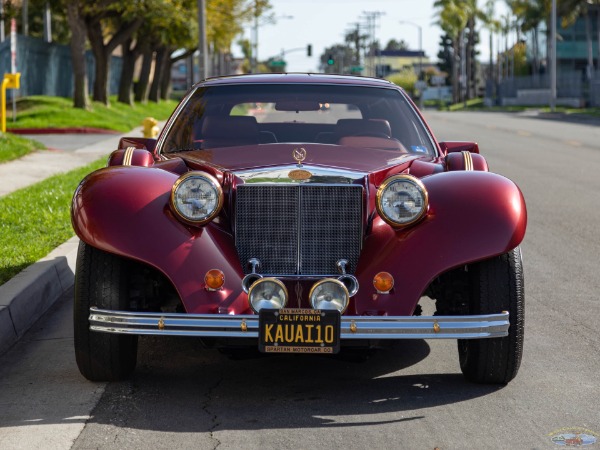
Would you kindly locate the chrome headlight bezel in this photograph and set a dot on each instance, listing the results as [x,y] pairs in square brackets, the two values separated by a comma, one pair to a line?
[263,281]
[212,184]
[341,285]
[414,183]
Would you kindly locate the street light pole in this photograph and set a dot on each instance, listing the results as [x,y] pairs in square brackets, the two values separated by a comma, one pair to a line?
[272,20]
[420,44]
[202,45]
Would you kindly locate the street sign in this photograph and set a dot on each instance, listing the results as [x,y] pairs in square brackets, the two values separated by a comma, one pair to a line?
[277,63]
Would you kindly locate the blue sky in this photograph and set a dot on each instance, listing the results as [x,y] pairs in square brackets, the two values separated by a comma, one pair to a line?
[324,22]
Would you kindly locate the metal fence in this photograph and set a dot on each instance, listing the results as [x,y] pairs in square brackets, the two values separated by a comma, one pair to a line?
[46,68]
[572,88]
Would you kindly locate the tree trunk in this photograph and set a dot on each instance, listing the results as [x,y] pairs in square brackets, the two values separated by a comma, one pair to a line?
[165,79]
[102,62]
[470,60]
[589,74]
[141,89]
[130,56]
[536,52]
[161,55]
[455,67]
[78,33]
[102,52]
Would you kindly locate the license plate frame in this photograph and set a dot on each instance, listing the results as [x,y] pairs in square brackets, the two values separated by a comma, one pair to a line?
[291,330]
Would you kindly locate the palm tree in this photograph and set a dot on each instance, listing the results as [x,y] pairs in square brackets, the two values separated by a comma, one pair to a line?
[452,18]
[493,26]
[530,14]
[570,11]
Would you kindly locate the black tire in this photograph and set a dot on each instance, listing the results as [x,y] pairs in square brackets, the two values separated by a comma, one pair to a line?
[496,285]
[100,280]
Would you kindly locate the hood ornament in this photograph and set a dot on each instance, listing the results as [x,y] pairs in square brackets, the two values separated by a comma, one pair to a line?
[299,154]
[299,174]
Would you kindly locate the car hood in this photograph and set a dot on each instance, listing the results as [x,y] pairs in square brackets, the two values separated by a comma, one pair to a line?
[272,162]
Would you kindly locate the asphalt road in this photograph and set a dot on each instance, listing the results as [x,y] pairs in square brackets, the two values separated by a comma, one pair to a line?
[410,396]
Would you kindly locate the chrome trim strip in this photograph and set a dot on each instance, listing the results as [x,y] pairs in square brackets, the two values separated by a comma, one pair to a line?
[280,174]
[365,327]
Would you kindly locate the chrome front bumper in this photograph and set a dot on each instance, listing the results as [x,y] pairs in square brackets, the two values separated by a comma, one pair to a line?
[353,327]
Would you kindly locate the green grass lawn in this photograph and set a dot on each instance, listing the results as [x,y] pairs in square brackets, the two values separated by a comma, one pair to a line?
[13,147]
[58,112]
[36,219]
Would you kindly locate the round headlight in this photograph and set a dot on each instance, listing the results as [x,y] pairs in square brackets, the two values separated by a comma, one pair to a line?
[269,293]
[196,197]
[402,200]
[329,294]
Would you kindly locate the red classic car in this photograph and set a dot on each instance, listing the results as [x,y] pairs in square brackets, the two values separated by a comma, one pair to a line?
[260,218]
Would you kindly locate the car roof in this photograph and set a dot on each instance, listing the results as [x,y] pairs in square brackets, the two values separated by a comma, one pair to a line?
[301,78]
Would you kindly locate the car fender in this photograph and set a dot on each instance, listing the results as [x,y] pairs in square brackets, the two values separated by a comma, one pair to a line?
[125,211]
[472,216]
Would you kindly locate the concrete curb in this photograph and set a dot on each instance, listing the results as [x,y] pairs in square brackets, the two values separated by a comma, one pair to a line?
[27,296]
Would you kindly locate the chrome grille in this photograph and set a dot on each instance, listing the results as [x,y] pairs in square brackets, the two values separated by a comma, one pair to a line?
[298,229]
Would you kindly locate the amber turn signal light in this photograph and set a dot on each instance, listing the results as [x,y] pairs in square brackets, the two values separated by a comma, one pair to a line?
[214,279]
[383,282]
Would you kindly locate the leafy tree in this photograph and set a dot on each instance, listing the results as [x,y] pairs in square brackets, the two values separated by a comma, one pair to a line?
[570,11]
[530,14]
[453,19]
[406,79]
[393,45]
[60,27]
[446,56]
[343,56]
[109,24]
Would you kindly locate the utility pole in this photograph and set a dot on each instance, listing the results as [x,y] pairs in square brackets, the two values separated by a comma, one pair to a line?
[25,17]
[553,58]
[2,35]
[202,45]
[47,23]
[254,62]
[371,17]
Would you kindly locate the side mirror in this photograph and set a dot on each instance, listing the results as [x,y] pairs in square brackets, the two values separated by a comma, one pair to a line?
[459,146]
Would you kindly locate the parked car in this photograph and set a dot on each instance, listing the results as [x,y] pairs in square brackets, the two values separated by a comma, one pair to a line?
[258,218]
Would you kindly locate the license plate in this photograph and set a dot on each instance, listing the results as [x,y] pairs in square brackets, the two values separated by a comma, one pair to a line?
[299,331]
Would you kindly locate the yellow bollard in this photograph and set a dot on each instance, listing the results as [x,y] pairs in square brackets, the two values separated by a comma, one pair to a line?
[149,127]
[10,81]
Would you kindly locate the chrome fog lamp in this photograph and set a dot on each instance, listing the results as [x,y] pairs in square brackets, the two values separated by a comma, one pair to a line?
[402,200]
[196,197]
[329,294]
[269,293]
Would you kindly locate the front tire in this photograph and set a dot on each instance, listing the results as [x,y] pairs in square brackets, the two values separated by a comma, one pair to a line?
[101,280]
[496,285]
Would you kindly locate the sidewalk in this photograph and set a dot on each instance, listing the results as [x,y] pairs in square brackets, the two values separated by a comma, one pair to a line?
[27,296]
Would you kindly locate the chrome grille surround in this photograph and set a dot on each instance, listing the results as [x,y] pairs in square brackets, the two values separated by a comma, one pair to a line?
[299,229]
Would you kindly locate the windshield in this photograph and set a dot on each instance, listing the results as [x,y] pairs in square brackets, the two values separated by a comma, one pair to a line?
[259,114]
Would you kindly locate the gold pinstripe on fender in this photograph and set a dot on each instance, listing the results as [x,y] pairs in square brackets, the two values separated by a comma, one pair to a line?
[128,156]
[468,159]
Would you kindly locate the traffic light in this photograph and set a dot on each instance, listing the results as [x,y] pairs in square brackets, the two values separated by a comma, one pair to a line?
[330,60]
[309,50]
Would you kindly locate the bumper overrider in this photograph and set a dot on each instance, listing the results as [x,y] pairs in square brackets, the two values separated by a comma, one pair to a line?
[352,327]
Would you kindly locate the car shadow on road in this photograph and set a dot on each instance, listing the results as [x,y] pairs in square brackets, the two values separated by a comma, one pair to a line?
[179,387]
